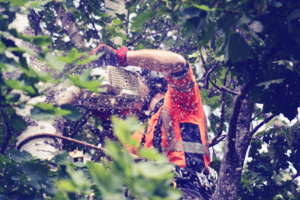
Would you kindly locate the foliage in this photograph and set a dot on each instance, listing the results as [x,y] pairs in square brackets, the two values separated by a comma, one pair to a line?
[23,177]
[255,42]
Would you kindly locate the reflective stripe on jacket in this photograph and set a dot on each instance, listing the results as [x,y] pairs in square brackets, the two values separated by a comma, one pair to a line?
[183,132]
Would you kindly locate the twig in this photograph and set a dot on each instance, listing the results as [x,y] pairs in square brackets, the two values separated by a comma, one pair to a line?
[211,66]
[178,49]
[203,61]
[80,123]
[127,22]
[9,132]
[220,139]
[205,79]
[222,110]
[225,77]
[223,88]
[162,39]
[221,118]
[261,124]
[56,21]
[230,81]
[146,26]
[256,115]
[87,16]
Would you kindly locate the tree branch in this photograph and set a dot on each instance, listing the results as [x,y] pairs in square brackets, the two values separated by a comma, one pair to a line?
[223,88]
[9,132]
[203,61]
[146,26]
[162,39]
[127,22]
[257,115]
[232,127]
[206,78]
[261,124]
[220,139]
[37,19]
[92,22]
[56,21]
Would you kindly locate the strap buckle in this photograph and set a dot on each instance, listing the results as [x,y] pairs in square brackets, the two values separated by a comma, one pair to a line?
[210,180]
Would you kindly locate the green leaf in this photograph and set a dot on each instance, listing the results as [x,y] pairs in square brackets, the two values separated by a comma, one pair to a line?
[281,176]
[72,56]
[268,83]
[20,85]
[141,46]
[53,62]
[246,182]
[45,110]
[63,158]
[84,81]
[40,40]
[20,156]
[89,58]
[37,4]
[191,12]
[141,20]
[237,49]
[17,122]
[38,114]
[202,7]
[124,129]
[75,113]
[151,154]
[36,174]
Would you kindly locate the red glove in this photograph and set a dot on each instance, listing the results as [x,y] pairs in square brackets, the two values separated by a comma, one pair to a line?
[112,53]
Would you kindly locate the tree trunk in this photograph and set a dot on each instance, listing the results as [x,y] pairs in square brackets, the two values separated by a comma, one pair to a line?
[233,160]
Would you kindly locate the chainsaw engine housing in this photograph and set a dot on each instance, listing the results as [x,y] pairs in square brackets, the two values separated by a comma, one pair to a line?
[122,90]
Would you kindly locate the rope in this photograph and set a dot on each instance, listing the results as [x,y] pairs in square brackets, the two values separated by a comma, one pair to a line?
[31,137]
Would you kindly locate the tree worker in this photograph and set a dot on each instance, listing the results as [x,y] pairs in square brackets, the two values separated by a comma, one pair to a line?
[176,120]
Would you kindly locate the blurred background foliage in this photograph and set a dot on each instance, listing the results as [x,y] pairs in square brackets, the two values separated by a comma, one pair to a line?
[230,44]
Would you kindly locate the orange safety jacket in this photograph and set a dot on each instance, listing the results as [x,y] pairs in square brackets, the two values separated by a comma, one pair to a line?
[179,129]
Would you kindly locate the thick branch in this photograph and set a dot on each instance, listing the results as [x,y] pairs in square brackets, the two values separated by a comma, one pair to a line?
[231,135]
[236,145]
[70,27]
[8,134]
[261,124]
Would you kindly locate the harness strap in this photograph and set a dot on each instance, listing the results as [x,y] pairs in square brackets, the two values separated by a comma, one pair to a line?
[157,135]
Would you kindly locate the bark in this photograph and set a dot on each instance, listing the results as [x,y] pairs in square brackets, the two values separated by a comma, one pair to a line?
[43,148]
[70,27]
[236,145]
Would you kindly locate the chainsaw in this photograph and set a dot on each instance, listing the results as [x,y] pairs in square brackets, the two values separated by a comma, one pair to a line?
[121,90]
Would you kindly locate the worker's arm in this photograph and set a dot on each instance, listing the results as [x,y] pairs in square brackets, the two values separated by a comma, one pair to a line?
[156,60]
